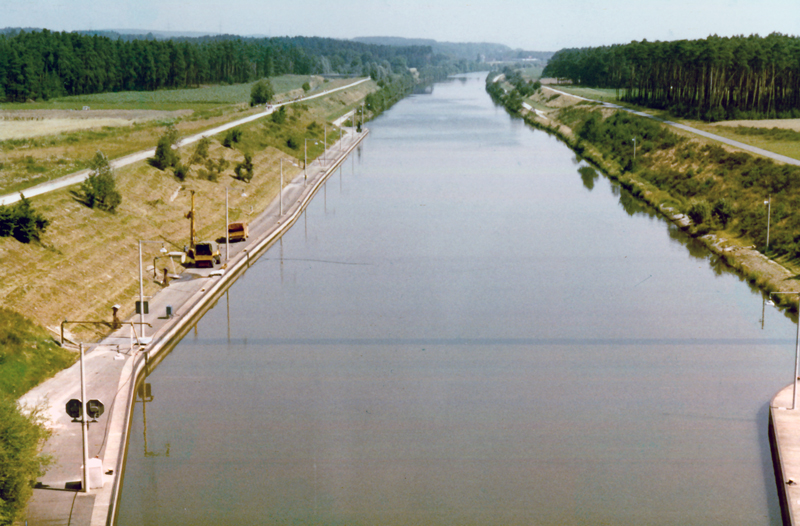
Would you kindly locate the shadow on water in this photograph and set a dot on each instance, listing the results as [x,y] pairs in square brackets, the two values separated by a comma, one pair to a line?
[770,482]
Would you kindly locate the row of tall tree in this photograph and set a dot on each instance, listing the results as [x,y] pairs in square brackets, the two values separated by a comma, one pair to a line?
[714,78]
[44,64]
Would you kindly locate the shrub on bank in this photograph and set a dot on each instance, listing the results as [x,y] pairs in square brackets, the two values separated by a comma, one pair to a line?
[719,188]
[21,436]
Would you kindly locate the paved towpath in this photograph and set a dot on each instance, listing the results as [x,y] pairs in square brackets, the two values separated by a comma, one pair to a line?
[113,365]
[78,177]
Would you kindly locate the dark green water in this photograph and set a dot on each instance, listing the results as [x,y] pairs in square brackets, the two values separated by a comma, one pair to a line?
[464,329]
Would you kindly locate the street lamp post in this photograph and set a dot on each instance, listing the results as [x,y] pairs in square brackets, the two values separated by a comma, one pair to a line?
[768,202]
[634,148]
[305,159]
[280,190]
[84,428]
[142,338]
[227,234]
[796,354]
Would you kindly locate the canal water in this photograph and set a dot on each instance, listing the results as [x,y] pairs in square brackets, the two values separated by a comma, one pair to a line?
[469,326]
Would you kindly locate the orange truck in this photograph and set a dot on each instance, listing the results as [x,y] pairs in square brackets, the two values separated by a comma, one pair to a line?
[238,231]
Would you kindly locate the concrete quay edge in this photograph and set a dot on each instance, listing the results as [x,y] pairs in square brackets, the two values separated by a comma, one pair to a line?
[115,366]
[105,505]
[784,441]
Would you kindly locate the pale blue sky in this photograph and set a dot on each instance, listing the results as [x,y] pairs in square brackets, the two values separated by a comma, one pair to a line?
[531,24]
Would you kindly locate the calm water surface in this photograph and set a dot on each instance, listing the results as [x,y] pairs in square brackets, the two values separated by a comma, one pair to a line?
[464,329]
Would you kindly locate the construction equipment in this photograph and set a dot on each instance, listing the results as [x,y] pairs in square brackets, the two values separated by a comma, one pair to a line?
[206,253]
[190,216]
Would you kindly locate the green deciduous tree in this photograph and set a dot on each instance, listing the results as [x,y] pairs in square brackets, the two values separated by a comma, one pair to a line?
[166,156]
[201,152]
[261,92]
[99,190]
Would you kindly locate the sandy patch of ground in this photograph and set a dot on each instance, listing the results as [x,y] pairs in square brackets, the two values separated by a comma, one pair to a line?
[24,129]
[21,124]
[557,100]
[788,124]
[551,81]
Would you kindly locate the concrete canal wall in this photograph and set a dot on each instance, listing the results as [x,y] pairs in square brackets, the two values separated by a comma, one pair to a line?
[784,439]
[187,315]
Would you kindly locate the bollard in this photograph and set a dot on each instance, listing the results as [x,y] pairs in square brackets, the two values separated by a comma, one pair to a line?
[115,322]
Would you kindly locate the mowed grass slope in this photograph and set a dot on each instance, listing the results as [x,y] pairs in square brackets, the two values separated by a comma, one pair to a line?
[89,259]
[30,161]
[28,354]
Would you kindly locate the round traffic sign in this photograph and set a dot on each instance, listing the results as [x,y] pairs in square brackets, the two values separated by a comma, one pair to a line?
[94,408]
[74,408]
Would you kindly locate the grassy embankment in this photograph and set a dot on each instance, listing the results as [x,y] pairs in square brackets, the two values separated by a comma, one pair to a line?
[28,157]
[781,136]
[27,355]
[88,258]
[713,191]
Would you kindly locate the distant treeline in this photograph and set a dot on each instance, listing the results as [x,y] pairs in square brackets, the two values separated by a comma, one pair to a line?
[43,64]
[713,79]
[469,50]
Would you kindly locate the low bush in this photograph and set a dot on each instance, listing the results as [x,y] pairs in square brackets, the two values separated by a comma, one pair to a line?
[279,117]
[213,169]
[244,169]
[181,172]
[21,435]
[699,212]
[231,138]
[723,211]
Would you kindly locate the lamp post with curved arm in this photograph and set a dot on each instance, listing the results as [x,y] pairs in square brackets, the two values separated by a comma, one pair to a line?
[305,159]
[280,190]
[768,202]
[143,338]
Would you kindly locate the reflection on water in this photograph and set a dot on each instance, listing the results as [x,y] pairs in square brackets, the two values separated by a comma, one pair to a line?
[471,338]
[588,175]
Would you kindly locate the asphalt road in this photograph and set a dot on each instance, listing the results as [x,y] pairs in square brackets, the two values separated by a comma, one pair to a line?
[78,177]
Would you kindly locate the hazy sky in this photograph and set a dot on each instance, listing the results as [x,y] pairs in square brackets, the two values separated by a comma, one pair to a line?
[528,24]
